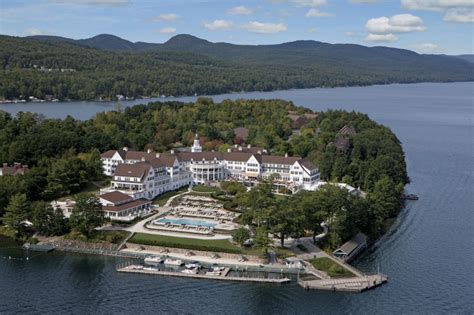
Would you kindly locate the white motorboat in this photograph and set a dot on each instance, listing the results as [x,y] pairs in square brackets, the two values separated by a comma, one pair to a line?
[194,264]
[217,268]
[153,259]
[173,262]
[135,267]
[191,270]
[213,273]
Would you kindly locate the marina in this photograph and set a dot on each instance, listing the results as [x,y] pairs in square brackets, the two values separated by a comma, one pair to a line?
[221,276]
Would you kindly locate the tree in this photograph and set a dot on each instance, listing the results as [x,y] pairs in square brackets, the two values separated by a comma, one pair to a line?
[384,201]
[16,212]
[66,175]
[233,188]
[47,220]
[285,219]
[241,235]
[87,214]
[262,240]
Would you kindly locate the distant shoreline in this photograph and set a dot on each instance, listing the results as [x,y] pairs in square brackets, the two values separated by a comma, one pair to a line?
[163,98]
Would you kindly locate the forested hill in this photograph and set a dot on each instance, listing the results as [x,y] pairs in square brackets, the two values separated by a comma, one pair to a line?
[105,66]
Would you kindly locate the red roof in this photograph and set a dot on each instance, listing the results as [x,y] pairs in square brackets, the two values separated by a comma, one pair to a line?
[116,197]
[126,206]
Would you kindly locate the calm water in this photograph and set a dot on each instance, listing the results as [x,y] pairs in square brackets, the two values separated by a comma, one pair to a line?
[428,255]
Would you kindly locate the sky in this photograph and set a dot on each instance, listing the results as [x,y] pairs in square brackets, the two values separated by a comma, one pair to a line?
[425,26]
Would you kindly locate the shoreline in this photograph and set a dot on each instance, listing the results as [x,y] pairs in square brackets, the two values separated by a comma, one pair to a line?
[318,280]
[232,93]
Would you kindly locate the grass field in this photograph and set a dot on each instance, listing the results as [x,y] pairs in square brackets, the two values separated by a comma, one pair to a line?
[330,267]
[163,198]
[89,188]
[205,189]
[224,246]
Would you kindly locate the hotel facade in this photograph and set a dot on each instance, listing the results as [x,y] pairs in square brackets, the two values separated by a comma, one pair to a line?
[148,174]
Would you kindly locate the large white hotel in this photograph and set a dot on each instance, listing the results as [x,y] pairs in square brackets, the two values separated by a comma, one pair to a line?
[149,174]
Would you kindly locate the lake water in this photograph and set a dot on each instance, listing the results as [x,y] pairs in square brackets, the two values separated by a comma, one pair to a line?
[428,255]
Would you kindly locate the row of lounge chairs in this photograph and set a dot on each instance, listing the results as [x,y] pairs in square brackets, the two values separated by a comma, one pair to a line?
[181,228]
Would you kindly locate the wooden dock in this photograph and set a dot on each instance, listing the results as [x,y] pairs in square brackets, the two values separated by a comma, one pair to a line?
[355,284]
[39,247]
[223,276]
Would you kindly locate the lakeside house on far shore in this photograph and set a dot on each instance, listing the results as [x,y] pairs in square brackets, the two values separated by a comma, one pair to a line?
[16,169]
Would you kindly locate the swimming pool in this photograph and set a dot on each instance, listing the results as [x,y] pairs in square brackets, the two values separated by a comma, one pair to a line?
[192,222]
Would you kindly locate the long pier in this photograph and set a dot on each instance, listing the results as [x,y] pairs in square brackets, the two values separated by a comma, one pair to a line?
[355,284]
[223,276]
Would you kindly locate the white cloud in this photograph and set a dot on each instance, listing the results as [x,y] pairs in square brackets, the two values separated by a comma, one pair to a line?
[364,1]
[401,23]
[460,15]
[436,5]
[93,2]
[167,30]
[381,38]
[309,3]
[35,31]
[265,28]
[219,25]
[240,10]
[167,17]
[312,30]
[316,13]
[426,48]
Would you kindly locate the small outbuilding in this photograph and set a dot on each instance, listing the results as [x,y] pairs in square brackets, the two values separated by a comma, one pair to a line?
[350,249]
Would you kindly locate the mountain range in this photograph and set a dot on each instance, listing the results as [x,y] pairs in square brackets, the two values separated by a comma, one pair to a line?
[106,65]
[189,43]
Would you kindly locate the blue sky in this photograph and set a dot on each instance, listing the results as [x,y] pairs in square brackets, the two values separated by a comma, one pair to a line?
[426,26]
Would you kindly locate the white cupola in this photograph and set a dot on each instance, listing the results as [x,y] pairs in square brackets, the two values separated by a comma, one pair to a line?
[196,145]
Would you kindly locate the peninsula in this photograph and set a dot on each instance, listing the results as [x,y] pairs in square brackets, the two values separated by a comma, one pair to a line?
[249,180]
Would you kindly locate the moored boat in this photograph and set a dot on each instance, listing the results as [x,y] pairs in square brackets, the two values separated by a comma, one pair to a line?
[153,259]
[173,262]
[193,271]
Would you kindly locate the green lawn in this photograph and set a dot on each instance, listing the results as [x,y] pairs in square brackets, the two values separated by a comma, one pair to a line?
[330,267]
[283,252]
[89,188]
[205,189]
[224,246]
[163,198]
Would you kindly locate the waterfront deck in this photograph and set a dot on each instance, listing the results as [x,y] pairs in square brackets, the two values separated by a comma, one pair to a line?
[39,247]
[223,276]
[356,284]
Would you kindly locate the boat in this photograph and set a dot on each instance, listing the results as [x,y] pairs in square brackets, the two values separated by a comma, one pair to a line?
[213,273]
[134,267]
[409,197]
[153,259]
[173,262]
[215,267]
[150,268]
[193,271]
[194,264]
